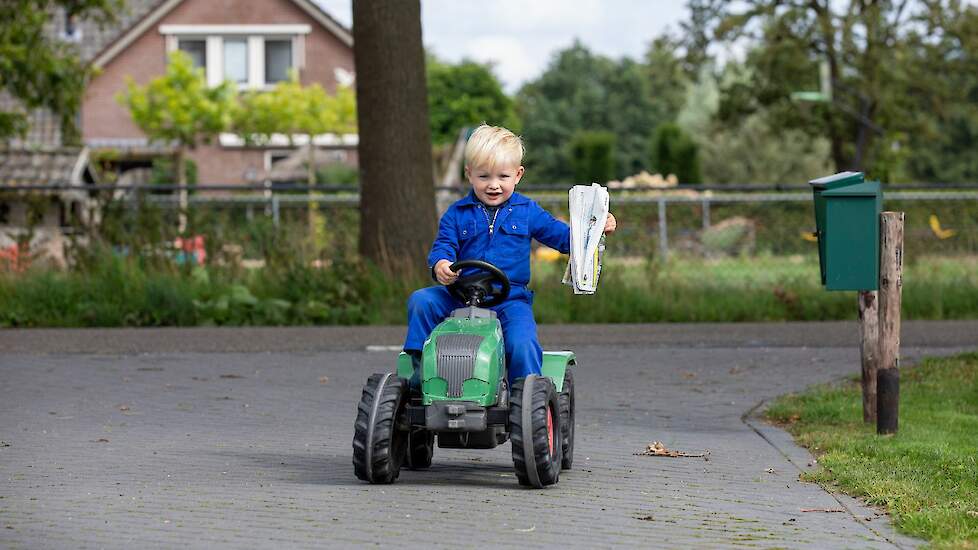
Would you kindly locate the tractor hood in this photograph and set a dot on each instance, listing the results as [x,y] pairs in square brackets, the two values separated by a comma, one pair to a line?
[463,360]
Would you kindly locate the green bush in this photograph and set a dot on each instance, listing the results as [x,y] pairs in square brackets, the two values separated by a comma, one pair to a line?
[163,171]
[119,290]
[592,157]
[673,152]
[337,174]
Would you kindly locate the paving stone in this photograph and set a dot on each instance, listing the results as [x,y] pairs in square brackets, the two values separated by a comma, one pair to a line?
[252,450]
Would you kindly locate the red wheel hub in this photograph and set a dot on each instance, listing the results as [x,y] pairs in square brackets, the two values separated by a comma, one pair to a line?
[550,429]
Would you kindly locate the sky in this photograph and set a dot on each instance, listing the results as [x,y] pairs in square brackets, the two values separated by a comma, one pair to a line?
[519,37]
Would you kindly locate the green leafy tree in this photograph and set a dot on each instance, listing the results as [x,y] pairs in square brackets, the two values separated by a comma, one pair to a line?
[942,146]
[873,75]
[592,157]
[581,91]
[179,108]
[298,111]
[755,151]
[667,77]
[37,68]
[465,94]
[295,111]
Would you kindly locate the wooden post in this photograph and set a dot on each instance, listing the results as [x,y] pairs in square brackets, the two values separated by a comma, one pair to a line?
[891,286]
[869,350]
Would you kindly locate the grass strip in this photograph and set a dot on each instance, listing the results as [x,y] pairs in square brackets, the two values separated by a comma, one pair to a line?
[926,475]
[113,290]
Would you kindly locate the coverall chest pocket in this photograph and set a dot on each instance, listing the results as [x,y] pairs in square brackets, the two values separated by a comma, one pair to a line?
[514,236]
[466,229]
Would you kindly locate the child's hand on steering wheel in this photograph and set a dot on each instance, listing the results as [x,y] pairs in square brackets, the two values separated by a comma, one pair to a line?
[444,273]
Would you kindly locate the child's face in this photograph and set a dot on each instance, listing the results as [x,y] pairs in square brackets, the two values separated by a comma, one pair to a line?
[494,187]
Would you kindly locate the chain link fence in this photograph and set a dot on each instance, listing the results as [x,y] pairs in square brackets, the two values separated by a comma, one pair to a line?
[702,222]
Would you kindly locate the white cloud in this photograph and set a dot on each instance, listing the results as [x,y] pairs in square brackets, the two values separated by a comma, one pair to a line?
[512,63]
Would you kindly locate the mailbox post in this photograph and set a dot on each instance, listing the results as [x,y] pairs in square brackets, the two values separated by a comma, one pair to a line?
[847,218]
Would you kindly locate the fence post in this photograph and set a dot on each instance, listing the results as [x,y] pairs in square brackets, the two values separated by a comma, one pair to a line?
[869,344]
[891,286]
[275,209]
[706,213]
[663,230]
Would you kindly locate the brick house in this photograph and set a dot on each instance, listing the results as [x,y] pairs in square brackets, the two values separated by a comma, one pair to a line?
[252,42]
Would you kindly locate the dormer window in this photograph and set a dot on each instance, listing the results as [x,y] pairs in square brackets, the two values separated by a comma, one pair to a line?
[71,31]
[253,56]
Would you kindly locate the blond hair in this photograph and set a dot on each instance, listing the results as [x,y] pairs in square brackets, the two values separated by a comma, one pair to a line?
[492,145]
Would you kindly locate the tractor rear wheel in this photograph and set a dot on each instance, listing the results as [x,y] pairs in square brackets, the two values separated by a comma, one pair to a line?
[379,443]
[566,400]
[421,446]
[535,431]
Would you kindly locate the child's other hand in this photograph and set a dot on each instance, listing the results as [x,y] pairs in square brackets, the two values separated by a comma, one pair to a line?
[610,224]
[444,273]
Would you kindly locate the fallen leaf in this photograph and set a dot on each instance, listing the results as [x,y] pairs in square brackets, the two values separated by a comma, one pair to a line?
[646,518]
[656,448]
[231,376]
[530,530]
[824,510]
[101,440]
[123,408]
[324,380]
[689,375]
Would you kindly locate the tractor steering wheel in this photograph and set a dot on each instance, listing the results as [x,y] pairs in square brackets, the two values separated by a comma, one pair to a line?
[478,288]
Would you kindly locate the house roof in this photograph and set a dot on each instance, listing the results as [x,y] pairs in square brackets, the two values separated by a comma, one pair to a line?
[21,167]
[95,37]
[42,125]
[101,45]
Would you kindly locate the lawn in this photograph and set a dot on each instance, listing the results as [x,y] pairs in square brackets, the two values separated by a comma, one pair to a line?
[926,475]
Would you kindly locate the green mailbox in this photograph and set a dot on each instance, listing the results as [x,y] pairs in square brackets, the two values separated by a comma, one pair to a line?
[847,212]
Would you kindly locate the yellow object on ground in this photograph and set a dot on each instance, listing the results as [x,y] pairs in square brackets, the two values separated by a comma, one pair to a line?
[935,226]
[546,254]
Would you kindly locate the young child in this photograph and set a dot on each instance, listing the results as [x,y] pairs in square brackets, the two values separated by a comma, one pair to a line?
[495,224]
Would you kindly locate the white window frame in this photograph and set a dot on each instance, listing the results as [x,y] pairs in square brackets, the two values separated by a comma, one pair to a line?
[256,35]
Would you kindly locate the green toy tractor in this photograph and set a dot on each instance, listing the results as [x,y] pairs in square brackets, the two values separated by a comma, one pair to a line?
[465,401]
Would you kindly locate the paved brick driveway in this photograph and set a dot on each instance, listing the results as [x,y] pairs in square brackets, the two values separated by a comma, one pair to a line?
[172,448]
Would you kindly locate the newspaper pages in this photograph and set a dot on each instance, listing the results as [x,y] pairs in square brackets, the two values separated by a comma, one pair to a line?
[588,213]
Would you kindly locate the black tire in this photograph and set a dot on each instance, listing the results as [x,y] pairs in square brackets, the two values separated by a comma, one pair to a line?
[421,446]
[379,443]
[566,400]
[536,442]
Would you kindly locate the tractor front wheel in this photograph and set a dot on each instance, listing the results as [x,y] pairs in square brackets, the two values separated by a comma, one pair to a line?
[379,443]
[535,431]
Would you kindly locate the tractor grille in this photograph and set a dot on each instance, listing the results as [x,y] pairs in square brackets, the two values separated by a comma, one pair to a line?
[456,359]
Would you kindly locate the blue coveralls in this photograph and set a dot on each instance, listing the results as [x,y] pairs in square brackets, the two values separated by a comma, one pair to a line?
[463,234]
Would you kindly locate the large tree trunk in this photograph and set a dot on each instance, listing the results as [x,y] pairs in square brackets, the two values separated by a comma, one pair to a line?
[397,202]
